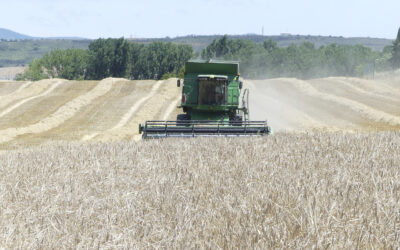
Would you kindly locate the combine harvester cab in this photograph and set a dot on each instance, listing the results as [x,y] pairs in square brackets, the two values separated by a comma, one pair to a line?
[213,103]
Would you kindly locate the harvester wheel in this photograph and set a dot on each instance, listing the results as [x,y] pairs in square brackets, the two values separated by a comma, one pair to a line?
[237,120]
[183,119]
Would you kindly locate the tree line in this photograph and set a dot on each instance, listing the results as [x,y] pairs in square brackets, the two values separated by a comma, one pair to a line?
[111,58]
[158,60]
[267,60]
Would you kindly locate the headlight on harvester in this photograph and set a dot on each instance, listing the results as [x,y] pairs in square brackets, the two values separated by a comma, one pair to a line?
[183,98]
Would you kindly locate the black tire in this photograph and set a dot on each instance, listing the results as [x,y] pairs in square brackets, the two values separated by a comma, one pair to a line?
[183,119]
[237,120]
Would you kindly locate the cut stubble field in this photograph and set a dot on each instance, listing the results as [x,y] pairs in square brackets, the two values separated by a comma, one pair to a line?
[75,174]
[32,113]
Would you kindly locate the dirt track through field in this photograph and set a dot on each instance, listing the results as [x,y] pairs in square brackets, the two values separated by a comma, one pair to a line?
[111,109]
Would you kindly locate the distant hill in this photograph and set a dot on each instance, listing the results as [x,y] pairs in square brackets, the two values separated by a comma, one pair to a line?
[22,52]
[6,34]
[17,49]
[200,42]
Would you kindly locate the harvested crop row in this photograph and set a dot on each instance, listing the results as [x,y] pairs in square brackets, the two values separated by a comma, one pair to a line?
[18,104]
[28,91]
[388,87]
[344,89]
[7,87]
[153,109]
[128,115]
[330,104]
[283,107]
[292,191]
[169,112]
[383,91]
[101,114]
[33,109]
[64,113]
[362,109]
[334,103]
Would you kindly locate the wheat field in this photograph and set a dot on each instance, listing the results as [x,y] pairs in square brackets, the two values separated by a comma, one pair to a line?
[75,174]
[290,190]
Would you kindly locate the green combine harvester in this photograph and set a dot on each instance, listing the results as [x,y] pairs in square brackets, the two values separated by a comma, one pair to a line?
[211,96]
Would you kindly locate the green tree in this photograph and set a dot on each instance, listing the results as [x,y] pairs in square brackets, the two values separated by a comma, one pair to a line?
[395,60]
[108,58]
[134,55]
[112,58]
[270,45]
[218,48]
[157,59]
[34,72]
[68,64]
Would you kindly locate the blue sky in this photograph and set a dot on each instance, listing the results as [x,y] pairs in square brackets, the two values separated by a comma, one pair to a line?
[156,18]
